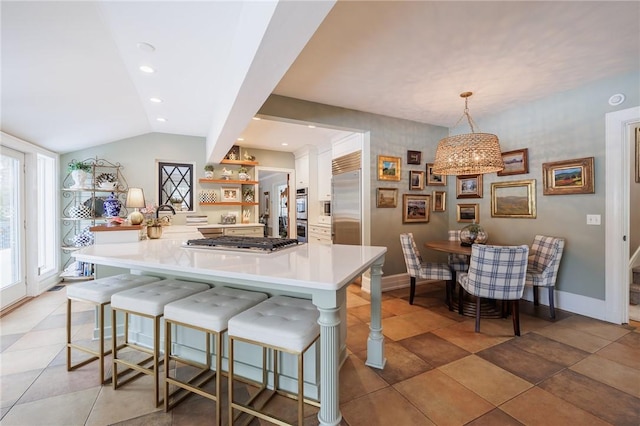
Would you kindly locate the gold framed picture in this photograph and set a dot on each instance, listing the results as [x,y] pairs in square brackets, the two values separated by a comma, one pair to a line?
[469,186]
[230,194]
[416,180]
[468,213]
[388,168]
[568,177]
[415,208]
[433,179]
[439,201]
[515,162]
[515,199]
[387,197]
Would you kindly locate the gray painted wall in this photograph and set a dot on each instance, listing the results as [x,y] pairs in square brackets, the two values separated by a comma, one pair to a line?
[565,126]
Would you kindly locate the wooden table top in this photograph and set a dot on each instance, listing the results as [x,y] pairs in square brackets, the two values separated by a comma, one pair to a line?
[448,247]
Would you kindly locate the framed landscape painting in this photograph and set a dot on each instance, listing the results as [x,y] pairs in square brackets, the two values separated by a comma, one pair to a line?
[515,199]
[468,213]
[469,186]
[388,168]
[416,180]
[568,177]
[415,208]
[515,162]
[387,197]
[433,179]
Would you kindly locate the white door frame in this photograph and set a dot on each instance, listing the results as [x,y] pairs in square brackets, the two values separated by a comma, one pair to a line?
[617,172]
[18,290]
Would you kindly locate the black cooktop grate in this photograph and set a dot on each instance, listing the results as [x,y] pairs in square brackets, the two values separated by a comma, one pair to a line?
[248,243]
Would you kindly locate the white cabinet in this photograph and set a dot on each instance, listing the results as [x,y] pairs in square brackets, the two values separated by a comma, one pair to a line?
[302,171]
[319,234]
[324,175]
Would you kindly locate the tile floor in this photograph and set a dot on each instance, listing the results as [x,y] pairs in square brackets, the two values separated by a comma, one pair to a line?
[574,370]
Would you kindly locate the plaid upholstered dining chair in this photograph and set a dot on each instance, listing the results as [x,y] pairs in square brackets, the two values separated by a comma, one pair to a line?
[495,272]
[544,262]
[417,268]
[457,262]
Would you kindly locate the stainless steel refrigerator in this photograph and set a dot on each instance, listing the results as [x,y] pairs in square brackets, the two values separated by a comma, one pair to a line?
[346,208]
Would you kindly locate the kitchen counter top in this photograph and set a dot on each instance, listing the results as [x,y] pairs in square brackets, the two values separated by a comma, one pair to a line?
[321,272]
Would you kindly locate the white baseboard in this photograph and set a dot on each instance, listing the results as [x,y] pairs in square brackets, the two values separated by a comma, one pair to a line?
[587,306]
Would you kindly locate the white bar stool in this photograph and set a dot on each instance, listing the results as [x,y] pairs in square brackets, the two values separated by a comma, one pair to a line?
[209,312]
[284,324]
[98,292]
[147,301]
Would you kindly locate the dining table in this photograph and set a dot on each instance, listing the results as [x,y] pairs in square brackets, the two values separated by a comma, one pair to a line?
[488,308]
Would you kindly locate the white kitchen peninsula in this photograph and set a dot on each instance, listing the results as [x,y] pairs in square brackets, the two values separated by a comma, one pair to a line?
[321,272]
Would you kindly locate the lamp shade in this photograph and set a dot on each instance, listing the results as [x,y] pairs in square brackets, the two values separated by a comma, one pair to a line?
[468,154]
[135,198]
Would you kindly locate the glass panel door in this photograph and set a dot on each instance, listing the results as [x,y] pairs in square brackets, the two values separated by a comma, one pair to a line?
[12,251]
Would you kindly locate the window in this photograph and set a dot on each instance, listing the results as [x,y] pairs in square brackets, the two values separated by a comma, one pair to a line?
[47,247]
[176,185]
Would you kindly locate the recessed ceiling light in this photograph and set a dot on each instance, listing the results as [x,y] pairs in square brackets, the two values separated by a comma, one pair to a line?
[147,69]
[284,144]
[240,139]
[161,119]
[311,126]
[155,100]
[257,118]
[146,47]
[616,99]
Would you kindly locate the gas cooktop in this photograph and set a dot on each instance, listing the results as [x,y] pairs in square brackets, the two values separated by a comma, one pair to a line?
[262,244]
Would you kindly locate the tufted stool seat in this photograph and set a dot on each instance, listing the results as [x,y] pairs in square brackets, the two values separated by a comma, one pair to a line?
[209,312]
[147,301]
[284,324]
[98,292]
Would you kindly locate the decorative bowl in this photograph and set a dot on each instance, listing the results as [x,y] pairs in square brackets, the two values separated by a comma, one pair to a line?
[473,234]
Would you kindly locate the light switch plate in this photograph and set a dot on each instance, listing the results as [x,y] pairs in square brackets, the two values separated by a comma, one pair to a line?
[593,219]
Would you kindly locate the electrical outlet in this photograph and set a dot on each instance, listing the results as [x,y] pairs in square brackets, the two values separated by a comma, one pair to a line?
[593,219]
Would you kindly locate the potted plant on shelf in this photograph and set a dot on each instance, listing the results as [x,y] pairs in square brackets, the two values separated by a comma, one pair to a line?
[243,173]
[208,171]
[247,195]
[78,171]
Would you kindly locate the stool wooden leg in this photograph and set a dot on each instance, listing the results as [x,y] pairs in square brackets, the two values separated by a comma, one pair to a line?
[218,373]
[300,389]
[68,334]
[156,356]
[167,355]
[101,356]
[230,381]
[114,347]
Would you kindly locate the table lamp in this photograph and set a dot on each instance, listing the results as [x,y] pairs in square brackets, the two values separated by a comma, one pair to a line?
[135,199]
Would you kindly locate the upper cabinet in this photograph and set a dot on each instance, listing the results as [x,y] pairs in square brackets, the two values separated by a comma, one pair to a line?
[302,171]
[324,175]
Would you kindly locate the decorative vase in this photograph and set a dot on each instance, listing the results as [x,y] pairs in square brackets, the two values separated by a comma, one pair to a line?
[80,212]
[243,176]
[79,178]
[112,206]
[208,174]
[473,234]
[154,232]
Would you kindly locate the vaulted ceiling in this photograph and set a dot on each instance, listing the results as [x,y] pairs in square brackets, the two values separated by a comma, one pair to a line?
[71,78]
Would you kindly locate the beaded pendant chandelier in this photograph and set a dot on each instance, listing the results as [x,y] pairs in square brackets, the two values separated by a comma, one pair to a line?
[468,154]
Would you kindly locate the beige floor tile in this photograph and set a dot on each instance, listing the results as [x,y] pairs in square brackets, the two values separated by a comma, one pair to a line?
[595,327]
[357,338]
[616,375]
[578,339]
[463,335]
[14,385]
[622,354]
[383,408]
[353,320]
[442,399]
[486,379]
[132,400]
[54,411]
[356,379]
[408,325]
[35,339]
[495,417]
[363,313]
[538,407]
[401,363]
[28,359]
